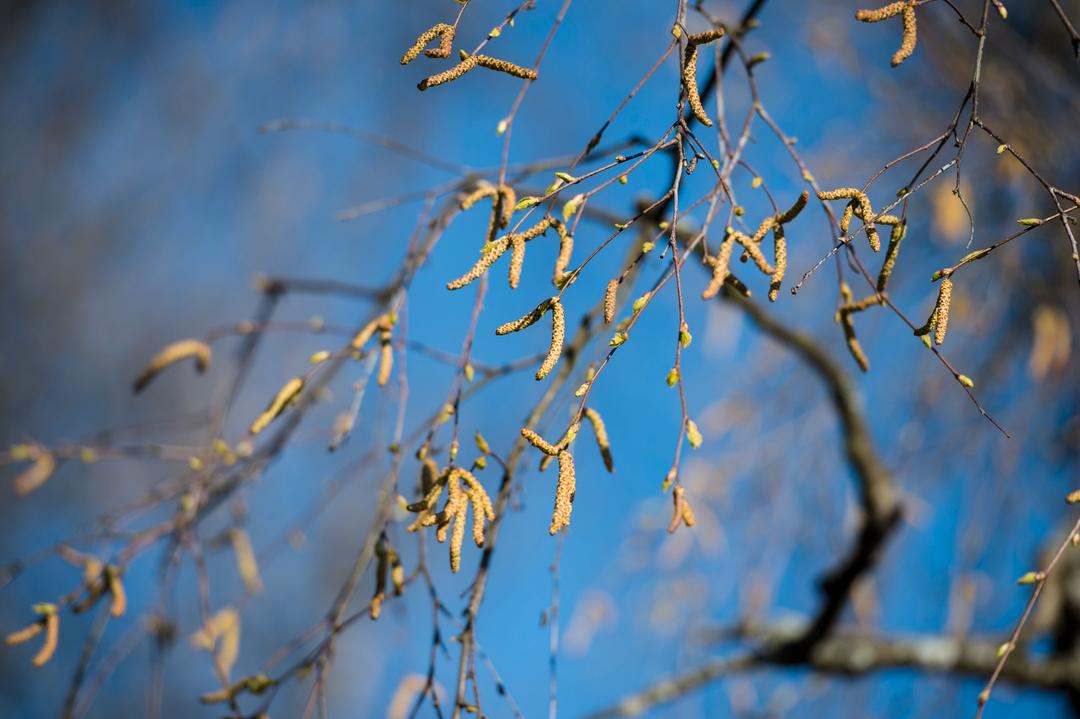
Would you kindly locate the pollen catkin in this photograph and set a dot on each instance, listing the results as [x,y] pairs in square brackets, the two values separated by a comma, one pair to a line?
[564,493]
[386,357]
[721,264]
[681,511]
[170,355]
[457,538]
[498,247]
[509,68]
[285,396]
[502,208]
[539,442]
[600,431]
[610,297]
[116,590]
[37,473]
[246,564]
[365,334]
[689,77]
[899,231]
[906,8]
[25,634]
[530,318]
[558,334]
[780,255]
[446,44]
[941,325]
[441,78]
[484,190]
[864,207]
[845,219]
[52,634]
[907,44]
[566,249]
[517,261]
[799,206]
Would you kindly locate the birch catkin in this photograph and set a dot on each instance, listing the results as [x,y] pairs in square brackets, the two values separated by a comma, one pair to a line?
[610,298]
[170,355]
[564,493]
[944,301]
[558,334]
[441,30]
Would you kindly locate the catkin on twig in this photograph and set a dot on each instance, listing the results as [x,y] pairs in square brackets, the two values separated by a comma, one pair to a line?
[904,8]
[689,72]
[610,298]
[564,493]
[170,355]
[558,334]
[441,30]
[530,318]
[602,441]
[494,252]
[944,301]
[285,397]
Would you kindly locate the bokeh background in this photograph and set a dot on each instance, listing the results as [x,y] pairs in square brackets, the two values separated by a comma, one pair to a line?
[139,199]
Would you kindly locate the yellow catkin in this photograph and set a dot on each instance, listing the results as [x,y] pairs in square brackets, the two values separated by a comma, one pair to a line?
[907,44]
[602,441]
[457,537]
[118,605]
[517,261]
[853,345]
[25,634]
[486,189]
[780,266]
[441,78]
[539,442]
[890,10]
[497,249]
[246,563]
[689,77]
[753,250]
[681,512]
[941,325]
[566,249]
[37,473]
[52,635]
[285,396]
[366,333]
[799,206]
[899,231]
[721,264]
[446,43]
[530,318]
[502,208]
[492,63]
[564,493]
[864,207]
[845,219]
[610,298]
[906,9]
[170,355]
[386,357]
[558,334]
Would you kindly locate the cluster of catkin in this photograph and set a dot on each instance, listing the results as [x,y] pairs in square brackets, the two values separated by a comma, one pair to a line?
[99,580]
[462,488]
[445,34]
[904,8]
[492,251]
[938,322]
[567,484]
[681,512]
[689,71]
[721,262]
[558,331]
[859,207]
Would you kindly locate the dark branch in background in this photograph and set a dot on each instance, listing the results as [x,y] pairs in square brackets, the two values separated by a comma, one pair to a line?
[1074,37]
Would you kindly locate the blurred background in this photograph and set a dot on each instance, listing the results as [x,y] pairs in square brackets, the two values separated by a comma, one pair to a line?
[141,198]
